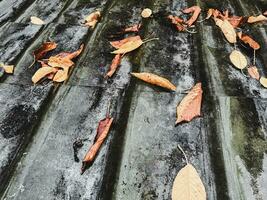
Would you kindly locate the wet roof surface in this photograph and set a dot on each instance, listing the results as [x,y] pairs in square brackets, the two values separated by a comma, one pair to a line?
[140,158]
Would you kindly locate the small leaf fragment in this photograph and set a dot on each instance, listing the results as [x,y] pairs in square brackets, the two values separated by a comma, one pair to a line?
[146,13]
[259,18]
[253,72]
[178,22]
[8,68]
[155,80]
[37,21]
[92,19]
[238,59]
[41,73]
[188,185]
[248,40]
[190,106]
[263,81]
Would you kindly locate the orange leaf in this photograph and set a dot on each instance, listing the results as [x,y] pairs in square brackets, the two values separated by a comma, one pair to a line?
[196,11]
[41,73]
[46,47]
[61,75]
[114,65]
[190,106]
[71,55]
[155,80]
[119,43]
[253,72]
[102,132]
[248,40]
[55,61]
[177,21]
[134,28]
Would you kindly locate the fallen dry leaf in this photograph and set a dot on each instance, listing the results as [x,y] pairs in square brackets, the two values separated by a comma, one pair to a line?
[37,21]
[7,68]
[146,13]
[155,80]
[265,13]
[259,18]
[71,55]
[236,21]
[178,22]
[263,81]
[61,75]
[248,40]
[92,19]
[119,43]
[196,11]
[42,51]
[134,28]
[210,13]
[42,73]
[238,59]
[188,185]
[114,65]
[253,72]
[190,106]
[55,61]
[131,45]
[102,132]
[227,29]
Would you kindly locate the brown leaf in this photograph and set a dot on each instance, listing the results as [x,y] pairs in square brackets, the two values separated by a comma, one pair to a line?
[103,130]
[155,80]
[178,22]
[92,19]
[190,106]
[114,65]
[253,72]
[259,18]
[134,28]
[248,40]
[37,21]
[188,185]
[119,43]
[196,11]
[46,47]
[41,73]
[71,55]
[55,61]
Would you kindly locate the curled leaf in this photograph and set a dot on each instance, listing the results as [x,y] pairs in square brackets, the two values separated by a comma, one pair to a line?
[114,65]
[71,55]
[238,59]
[42,51]
[92,19]
[253,72]
[41,73]
[263,81]
[155,80]
[188,185]
[146,13]
[102,133]
[227,29]
[37,21]
[248,40]
[61,75]
[196,11]
[119,43]
[190,106]
[259,18]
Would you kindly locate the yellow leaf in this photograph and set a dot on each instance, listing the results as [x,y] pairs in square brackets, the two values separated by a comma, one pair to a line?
[8,68]
[128,47]
[146,13]
[37,21]
[263,81]
[188,185]
[61,75]
[227,29]
[92,19]
[259,18]
[155,80]
[41,73]
[238,59]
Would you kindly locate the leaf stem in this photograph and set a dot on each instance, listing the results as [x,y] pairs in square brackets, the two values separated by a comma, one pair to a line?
[181,149]
[151,39]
